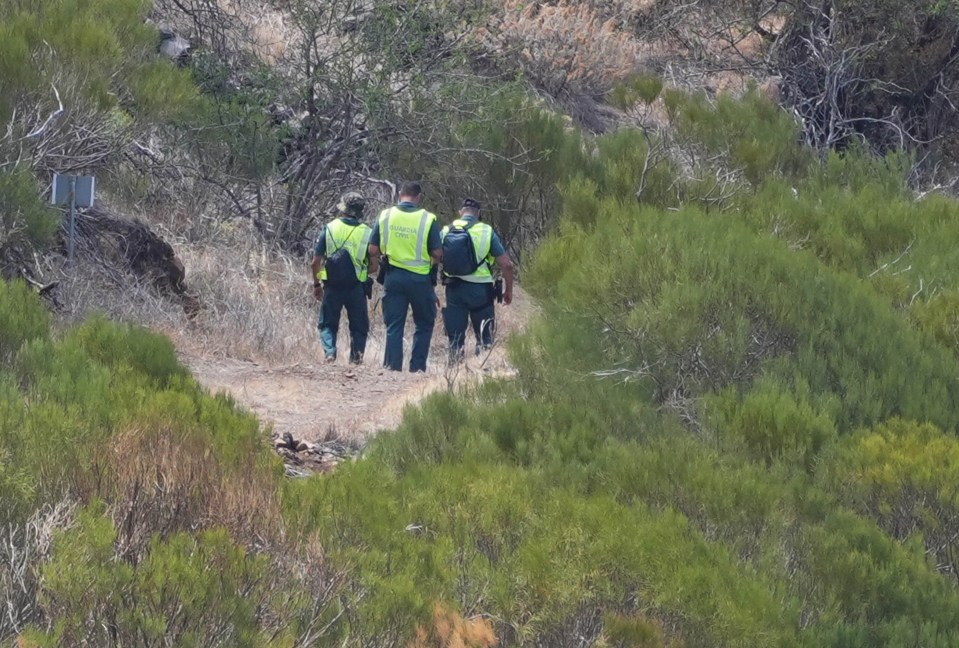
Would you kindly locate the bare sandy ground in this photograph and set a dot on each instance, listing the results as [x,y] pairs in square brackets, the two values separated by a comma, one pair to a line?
[314,401]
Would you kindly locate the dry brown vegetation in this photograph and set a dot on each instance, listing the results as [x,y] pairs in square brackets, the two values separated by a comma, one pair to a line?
[569,49]
[451,630]
[160,481]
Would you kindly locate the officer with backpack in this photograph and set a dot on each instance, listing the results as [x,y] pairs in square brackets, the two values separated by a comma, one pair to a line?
[340,273]
[408,238]
[469,248]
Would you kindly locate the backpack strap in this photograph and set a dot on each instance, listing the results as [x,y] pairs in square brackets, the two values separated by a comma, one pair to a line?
[337,248]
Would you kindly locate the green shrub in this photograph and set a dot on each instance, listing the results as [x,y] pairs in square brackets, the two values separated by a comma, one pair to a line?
[751,134]
[540,558]
[703,305]
[903,475]
[192,591]
[117,346]
[183,537]
[22,319]
[865,589]
[25,219]
[775,426]
[106,44]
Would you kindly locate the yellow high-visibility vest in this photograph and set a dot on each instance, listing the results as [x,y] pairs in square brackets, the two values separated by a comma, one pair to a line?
[355,239]
[404,238]
[482,235]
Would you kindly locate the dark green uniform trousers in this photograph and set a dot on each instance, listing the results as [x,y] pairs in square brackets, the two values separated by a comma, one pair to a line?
[354,301]
[468,303]
[404,291]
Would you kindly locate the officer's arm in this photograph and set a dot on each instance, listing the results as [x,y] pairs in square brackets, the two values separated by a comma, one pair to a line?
[374,263]
[319,253]
[315,266]
[434,242]
[374,247]
[506,267]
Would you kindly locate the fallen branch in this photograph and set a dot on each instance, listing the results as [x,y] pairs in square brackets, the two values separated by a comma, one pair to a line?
[39,131]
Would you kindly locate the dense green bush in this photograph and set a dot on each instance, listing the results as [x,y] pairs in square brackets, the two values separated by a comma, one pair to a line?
[680,444]
[180,537]
[24,218]
[100,55]
[189,590]
[902,475]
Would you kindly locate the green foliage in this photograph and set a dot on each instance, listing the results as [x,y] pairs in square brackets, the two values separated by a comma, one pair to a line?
[677,460]
[24,217]
[775,425]
[751,134]
[177,541]
[104,43]
[706,305]
[532,553]
[632,632]
[903,475]
[22,319]
[645,89]
[232,123]
[117,346]
[191,591]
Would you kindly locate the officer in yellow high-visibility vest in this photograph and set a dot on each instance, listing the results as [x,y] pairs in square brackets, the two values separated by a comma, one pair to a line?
[470,298]
[349,234]
[408,238]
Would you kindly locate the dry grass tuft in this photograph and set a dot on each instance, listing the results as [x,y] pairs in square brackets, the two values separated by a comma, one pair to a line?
[23,549]
[254,304]
[160,481]
[450,630]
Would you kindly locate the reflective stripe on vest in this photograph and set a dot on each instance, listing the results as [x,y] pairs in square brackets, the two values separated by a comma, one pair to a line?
[404,237]
[354,239]
[482,235]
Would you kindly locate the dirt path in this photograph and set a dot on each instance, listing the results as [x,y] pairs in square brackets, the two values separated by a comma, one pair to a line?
[316,402]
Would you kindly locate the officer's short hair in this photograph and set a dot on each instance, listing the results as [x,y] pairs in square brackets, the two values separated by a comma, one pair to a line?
[411,189]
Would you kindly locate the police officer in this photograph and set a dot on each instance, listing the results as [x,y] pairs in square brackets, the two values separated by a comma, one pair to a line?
[408,238]
[470,298]
[348,233]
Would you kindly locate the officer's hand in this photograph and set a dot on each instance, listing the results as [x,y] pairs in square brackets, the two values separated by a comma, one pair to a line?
[317,293]
[508,297]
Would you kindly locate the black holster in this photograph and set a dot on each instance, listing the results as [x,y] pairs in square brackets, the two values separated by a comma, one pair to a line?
[383,271]
[498,291]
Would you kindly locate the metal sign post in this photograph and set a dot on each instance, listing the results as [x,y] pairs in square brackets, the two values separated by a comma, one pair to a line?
[73,218]
[73,191]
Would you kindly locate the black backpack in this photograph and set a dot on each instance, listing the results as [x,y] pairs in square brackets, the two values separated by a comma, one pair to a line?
[340,271]
[459,253]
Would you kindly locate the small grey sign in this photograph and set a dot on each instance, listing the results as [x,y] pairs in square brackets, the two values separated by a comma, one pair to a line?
[83,187]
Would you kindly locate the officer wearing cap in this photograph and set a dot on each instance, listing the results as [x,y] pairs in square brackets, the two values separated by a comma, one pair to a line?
[408,238]
[348,233]
[470,298]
